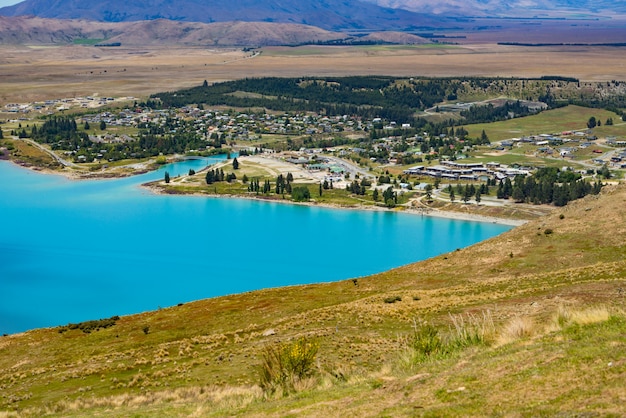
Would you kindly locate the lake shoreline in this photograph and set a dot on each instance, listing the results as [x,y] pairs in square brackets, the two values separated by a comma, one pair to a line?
[437,213]
[143,242]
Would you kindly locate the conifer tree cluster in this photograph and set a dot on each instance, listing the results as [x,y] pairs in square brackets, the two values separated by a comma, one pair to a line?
[390,197]
[216,175]
[62,133]
[357,188]
[283,183]
[548,186]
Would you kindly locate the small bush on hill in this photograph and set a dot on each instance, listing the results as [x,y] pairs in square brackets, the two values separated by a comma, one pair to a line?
[427,342]
[283,365]
[89,326]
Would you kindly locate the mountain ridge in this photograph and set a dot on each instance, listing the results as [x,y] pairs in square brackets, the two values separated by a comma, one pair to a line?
[40,31]
[327,14]
[330,15]
[516,8]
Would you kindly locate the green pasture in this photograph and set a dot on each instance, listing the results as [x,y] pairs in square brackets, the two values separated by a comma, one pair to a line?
[555,121]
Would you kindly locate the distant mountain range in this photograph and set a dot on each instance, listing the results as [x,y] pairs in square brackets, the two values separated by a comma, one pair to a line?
[514,8]
[38,31]
[270,22]
[325,14]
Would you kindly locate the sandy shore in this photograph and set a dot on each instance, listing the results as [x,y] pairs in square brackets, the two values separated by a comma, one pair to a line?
[466,216]
[399,209]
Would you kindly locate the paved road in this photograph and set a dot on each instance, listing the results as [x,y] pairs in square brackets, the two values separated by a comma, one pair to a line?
[47,151]
[349,167]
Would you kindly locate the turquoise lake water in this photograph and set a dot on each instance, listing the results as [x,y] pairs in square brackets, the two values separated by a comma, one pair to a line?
[71,251]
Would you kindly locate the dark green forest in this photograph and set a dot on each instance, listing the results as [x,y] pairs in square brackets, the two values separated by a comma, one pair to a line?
[394,99]
[387,98]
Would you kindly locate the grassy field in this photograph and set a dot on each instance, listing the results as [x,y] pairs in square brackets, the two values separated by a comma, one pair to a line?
[25,153]
[528,323]
[337,197]
[568,118]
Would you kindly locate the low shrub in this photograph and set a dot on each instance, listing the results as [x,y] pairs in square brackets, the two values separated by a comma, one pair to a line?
[89,326]
[471,330]
[392,299]
[284,365]
[427,342]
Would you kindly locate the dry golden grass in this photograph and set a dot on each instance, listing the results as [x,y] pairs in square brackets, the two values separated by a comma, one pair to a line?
[565,316]
[517,328]
[30,74]
[27,153]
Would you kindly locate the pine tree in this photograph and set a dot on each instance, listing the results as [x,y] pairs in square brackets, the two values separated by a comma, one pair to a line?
[484,139]
[429,190]
[466,194]
[508,188]
[167,177]
[518,194]
[235,164]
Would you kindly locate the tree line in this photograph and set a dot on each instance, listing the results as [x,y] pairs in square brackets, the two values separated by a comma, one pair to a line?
[63,133]
[548,186]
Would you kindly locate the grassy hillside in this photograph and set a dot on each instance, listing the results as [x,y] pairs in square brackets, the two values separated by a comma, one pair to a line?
[567,118]
[529,323]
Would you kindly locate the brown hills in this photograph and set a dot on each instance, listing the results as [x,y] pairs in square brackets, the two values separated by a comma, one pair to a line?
[327,14]
[38,31]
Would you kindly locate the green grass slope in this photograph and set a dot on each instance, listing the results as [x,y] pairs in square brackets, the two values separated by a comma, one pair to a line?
[529,323]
